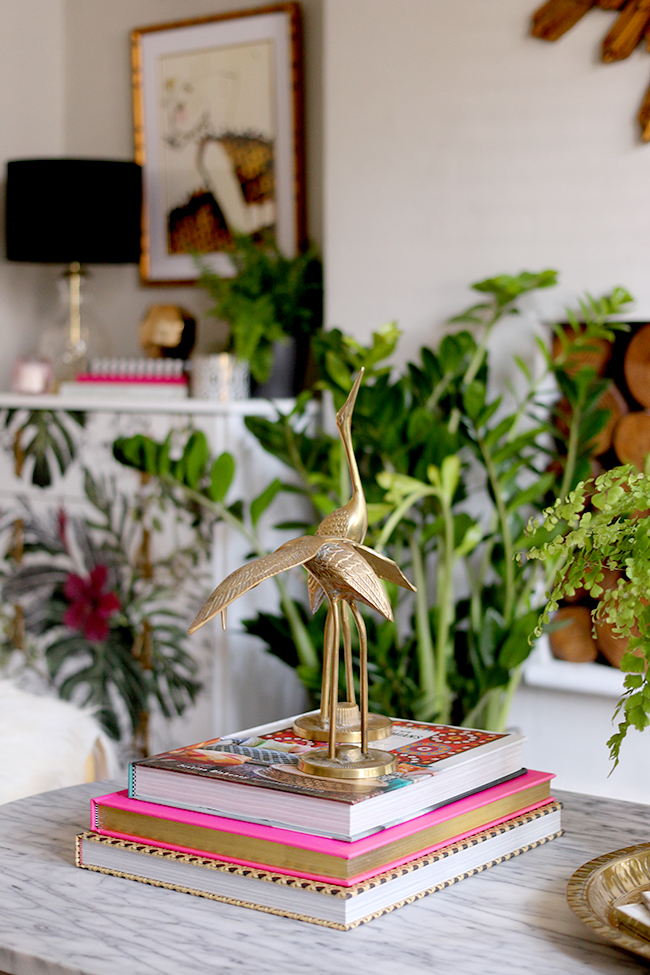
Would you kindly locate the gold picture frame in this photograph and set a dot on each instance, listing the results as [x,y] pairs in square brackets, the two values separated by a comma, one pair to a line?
[218,120]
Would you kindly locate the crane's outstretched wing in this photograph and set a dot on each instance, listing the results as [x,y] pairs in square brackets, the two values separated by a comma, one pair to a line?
[316,593]
[385,568]
[344,574]
[292,553]
[381,566]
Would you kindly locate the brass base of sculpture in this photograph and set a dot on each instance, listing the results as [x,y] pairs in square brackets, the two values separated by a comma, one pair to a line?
[348,725]
[349,763]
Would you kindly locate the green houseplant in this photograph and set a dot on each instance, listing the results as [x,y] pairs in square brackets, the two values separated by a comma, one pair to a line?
[270,299]
[48,438]
[89,609]
[429,441]
[602,527]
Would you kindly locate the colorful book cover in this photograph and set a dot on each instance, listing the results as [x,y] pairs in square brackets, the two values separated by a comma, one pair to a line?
[308,855]
[267,757]
[331,905]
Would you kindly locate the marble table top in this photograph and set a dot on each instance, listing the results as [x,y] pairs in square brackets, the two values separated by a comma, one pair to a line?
[57,920]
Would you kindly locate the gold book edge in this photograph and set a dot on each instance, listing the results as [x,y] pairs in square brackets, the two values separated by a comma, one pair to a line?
[277,855]
[319,886]
[307,917]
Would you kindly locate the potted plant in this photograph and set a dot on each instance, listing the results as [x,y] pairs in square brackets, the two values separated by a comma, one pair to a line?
[88,611]
[599,529]
[429,441]
[270,301]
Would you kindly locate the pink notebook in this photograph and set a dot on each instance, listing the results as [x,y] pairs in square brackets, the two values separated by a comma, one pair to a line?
[280,849]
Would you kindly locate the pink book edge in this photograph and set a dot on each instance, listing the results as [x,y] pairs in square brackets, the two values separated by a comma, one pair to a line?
[140,380]
[322,878]
[323,844]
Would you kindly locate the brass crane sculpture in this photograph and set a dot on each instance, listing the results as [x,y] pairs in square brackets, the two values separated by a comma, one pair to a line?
[349,522]
[346,572]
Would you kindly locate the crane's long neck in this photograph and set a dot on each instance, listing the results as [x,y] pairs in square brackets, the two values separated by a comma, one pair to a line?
[356,507]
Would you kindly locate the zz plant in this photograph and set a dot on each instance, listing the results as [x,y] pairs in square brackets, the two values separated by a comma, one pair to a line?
[429,442]
[452,474]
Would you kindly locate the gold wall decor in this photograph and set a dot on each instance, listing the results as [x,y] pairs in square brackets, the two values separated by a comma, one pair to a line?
[631,27]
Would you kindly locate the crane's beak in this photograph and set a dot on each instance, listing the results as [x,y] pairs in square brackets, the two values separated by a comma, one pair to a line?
[344,415]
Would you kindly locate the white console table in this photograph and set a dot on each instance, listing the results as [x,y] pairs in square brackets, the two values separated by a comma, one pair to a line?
[245,685]
[58,920]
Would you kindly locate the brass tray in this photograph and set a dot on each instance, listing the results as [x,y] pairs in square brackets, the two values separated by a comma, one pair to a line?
[598,887]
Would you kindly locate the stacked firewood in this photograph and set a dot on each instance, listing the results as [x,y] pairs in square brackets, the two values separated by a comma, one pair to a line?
[625,439]
[631,28]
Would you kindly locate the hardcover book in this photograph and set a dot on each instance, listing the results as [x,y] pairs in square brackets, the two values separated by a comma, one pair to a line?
[126,389]
[253,775]
[332,905]
[307,855]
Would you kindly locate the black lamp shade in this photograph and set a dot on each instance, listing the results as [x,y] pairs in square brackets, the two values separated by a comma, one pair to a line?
[64,210]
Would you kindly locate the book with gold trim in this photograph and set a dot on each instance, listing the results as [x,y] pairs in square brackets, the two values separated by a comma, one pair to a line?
[332,905]
[308,855]
[253,775]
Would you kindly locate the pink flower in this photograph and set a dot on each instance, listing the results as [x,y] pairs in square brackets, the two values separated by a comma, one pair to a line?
[90,606]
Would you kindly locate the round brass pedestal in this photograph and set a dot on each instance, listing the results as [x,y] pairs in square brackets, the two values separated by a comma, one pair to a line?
[350,763]
[348,725]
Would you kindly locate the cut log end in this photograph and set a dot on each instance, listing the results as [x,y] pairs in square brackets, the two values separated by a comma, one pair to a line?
[631,439]
[593,354]
[636,366]
[613,403]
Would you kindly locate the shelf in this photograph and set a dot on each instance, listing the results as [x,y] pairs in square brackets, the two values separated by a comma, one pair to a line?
[543,670]
[178,407]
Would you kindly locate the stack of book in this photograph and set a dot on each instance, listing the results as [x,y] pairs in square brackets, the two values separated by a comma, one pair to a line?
[161,379]
[235,820]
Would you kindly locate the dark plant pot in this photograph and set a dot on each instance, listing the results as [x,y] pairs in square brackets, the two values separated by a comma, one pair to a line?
[288,373]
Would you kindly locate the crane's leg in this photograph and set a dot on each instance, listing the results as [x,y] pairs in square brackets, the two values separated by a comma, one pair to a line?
[328,640]
[346,761]
[347,650]
[363,675]
[334,679]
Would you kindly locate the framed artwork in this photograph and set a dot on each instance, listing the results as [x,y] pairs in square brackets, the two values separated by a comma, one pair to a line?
[219,133]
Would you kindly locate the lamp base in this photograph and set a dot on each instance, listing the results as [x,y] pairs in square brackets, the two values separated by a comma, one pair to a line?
[69,343]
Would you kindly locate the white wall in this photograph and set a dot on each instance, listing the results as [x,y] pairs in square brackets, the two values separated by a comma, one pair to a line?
[31,124]
[457,147]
